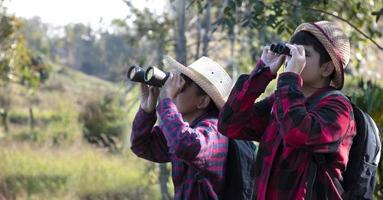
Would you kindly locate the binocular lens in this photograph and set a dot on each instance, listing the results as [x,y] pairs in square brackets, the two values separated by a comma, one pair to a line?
[155,76]
[272,47]
[280,48]
[149,73]
[136,73]
[132,73]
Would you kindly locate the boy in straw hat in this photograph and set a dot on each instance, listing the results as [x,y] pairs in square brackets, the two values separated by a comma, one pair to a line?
[289,131]
[187,135]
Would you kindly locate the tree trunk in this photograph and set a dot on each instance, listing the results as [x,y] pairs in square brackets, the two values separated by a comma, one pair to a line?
[181,53]
[198,37]
[232,66]
[4,119]
[253,49]
[160,51]
[31,118]
[164,171]
[206,37]
[163,178]
[5,102]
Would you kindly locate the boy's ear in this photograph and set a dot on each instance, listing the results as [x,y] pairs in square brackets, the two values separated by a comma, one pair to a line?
[203,102]
[327,69]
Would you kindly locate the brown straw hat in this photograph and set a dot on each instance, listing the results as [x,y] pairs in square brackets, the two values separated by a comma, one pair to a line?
[336,43]
[207,74]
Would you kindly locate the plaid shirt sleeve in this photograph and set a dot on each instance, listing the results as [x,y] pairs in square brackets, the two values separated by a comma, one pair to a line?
[241,118]
[319,130]
[147,141]
[194,145]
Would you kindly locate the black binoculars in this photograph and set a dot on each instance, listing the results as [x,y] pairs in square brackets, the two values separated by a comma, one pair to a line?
[280,48]
[151,76]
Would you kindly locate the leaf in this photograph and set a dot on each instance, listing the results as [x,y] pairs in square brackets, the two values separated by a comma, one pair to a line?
[245,23]
[238,2]
[199,6]
[281,29]
[378,14]
[231,5]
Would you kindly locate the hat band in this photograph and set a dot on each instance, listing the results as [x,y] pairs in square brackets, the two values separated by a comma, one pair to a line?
[336,50]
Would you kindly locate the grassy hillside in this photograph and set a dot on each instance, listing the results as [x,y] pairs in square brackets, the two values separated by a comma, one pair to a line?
[52,160]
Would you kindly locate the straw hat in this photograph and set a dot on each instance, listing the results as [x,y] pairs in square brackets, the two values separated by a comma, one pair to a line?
[207,74]
[336,43]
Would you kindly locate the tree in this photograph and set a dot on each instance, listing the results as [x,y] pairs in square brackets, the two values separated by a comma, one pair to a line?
[206,26]
[181,51]
[16,64]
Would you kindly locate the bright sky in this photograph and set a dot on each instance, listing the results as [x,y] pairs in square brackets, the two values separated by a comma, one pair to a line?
[95,12]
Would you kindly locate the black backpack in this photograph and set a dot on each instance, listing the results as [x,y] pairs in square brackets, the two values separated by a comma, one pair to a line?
[239,179]
[360,175]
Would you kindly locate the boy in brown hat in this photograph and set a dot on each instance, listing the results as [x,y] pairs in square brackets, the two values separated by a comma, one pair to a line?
[289,129]
[187,135]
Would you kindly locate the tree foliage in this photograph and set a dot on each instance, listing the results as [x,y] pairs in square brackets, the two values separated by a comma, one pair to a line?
[272,20]
[17,63]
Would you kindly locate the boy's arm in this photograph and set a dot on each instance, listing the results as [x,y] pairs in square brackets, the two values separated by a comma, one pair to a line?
[319,130]
[240,118]
[147,141]
[192,145]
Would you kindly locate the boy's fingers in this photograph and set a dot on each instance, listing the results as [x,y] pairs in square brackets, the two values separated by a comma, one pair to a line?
[301,50]
[152,88]
[266,50]
[180,79]
[281,59]
[293,49]
[171,75]
[155,90]
[143,86]
[176,78]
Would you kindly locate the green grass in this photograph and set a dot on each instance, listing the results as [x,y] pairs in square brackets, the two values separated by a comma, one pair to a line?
[80,171]
[59,125]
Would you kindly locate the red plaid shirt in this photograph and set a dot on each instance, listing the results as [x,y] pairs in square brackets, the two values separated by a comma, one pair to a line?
[197,151]
[289,133]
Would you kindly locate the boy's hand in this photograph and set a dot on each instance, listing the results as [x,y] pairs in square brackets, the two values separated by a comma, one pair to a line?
[297,61]
[173,85]
[148,97]
[272,60]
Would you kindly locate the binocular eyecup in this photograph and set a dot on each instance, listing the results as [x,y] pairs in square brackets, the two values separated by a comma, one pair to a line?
[280,48]
[151,76]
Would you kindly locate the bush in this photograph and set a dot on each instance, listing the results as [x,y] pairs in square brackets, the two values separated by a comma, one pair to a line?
[104,121]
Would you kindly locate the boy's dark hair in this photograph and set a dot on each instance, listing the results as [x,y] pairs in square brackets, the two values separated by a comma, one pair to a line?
[212,106]
[306,38]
